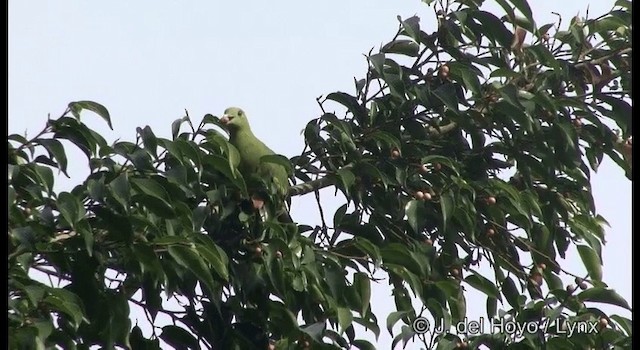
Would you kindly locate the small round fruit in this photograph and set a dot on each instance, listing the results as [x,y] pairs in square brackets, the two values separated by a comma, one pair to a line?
[427,196]
[546,37]
[455,272]
[603,322]
[491,232]
[571,288]
[437,166]
[424,169]
[395,153]
[444,69]
[542,266]
[491,200]
[583,285]
[577,122]
[537,277]
[428,241]
[272,346]
[278,254]
[258,250]
[419,195]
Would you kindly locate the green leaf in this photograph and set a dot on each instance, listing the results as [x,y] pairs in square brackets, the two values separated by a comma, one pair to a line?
[279,160]
[393,318]
[492,306]
[624,323]
[147,258]
[151,187]
[55,150]
[84,229]
[482,284]
[494,28]
[149,140]
[447,206]
[189,258]
[362,284]
[523,6]
[315,330]
[416,215]
[403,47]
[347,178]
[178,338]
[175,126]
[11,196]
[45,174]
[447,94]
[363,345]
[620,112]
[468,74]
[511,293]
[215,259]
[411,26]
[345,318]
[67,303]
[602,295]
[78,106]
[350,102]
[385,138]
[223,166]
[121,190]
[70,207]
[592,261]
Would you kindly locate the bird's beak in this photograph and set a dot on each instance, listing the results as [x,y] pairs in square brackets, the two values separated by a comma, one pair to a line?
[226,119]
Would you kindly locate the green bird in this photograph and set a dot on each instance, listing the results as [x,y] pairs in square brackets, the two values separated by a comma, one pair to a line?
[256,172]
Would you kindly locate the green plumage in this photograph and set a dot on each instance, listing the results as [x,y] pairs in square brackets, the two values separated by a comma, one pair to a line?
[251,150]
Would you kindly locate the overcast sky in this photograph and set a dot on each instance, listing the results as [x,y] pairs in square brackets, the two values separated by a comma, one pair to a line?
[148,61]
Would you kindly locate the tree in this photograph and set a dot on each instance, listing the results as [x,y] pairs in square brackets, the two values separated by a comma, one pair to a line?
[464,148]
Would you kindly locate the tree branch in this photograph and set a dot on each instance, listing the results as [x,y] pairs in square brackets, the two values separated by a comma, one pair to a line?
[330,180]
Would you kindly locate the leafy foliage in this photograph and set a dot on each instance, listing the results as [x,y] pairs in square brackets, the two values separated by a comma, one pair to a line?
[466,147]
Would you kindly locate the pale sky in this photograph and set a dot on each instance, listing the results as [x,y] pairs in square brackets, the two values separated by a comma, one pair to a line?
[148,61]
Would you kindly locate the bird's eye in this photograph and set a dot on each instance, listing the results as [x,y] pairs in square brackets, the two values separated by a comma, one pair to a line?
[240,113]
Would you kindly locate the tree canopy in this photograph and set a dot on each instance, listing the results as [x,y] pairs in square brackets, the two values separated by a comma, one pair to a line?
[471,146]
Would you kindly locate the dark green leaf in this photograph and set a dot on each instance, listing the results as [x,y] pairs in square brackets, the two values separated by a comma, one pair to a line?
[70,207]
[149,140]
[447,94]
[494,28]
[56,150]
[179,338]
[363,345]
[403,47]
[78,106]
[279,160]
[350,102]
[314,330]
[362,284]
[447,206]
[591,260]
[416,215]
[189,258]
[345,318]
[482,284]
[511,293]
[66,302]
[601,295]
[393,318]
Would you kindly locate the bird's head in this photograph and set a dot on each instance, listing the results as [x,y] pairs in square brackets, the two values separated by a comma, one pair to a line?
[235,119]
